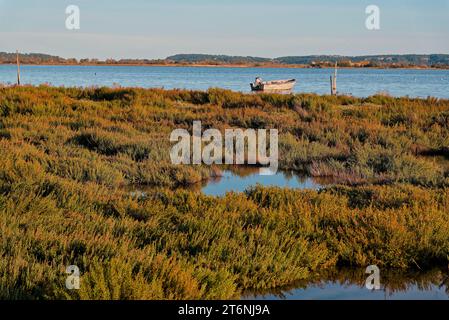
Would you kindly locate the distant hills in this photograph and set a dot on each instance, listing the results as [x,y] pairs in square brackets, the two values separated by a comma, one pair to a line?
[413,59]
[200,58]
[425,60]
[317,61]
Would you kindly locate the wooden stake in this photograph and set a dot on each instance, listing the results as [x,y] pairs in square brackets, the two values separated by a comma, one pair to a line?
[332,85]
[334,82]
[18,68]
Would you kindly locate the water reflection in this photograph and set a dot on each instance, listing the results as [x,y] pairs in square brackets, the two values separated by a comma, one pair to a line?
[240,178]
[349,284]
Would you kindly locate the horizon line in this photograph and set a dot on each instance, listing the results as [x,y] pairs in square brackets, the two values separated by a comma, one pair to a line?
[231,55]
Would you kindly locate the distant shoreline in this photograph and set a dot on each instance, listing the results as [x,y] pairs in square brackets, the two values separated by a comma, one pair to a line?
[271,66]
[391,61]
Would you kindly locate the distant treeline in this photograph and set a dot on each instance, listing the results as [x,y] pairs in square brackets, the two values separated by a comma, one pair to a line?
[391,61]
[424,60]
[40,58]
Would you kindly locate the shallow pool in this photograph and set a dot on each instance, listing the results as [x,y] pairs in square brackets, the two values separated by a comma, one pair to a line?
[350,285]
[240,179]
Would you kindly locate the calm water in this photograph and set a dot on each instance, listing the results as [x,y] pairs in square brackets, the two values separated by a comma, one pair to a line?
[359,82]
[238,180]
[350,285]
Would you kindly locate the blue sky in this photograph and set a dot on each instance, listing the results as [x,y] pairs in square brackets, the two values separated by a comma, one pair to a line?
[157,28]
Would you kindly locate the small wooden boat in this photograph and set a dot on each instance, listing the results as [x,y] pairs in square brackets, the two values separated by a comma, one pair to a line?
[273,86]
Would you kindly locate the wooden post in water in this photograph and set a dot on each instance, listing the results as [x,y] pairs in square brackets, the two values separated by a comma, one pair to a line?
[18,68]
[335,78]
[332,85]
[334,82]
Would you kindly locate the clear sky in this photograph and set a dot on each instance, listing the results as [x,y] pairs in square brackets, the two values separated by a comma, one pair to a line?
[157,28]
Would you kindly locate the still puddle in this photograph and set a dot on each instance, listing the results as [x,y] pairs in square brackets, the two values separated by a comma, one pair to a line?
[241,178]
[238,179]
[350,285]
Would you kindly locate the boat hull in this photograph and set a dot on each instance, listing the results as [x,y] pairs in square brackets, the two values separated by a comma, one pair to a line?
[272,86]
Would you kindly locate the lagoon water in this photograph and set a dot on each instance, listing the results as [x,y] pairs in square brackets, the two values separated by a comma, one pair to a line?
[358,82]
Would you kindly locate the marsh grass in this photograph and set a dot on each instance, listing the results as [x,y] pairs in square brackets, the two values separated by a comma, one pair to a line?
[67,155]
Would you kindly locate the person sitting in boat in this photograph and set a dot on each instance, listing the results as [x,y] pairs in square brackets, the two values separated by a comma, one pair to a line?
[257,83]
